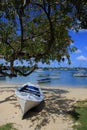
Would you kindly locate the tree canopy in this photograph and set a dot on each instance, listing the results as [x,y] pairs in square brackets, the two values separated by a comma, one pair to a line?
[36,30]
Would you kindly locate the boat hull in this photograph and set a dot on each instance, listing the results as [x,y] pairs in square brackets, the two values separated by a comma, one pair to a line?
[26,105]
[29,96]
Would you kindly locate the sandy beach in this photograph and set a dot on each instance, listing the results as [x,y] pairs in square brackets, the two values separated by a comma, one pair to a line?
[51,114]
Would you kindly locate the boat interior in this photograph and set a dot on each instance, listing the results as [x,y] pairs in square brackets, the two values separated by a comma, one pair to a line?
[30,89]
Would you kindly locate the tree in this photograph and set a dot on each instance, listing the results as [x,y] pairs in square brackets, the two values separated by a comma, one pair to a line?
[80,13]
[34,31]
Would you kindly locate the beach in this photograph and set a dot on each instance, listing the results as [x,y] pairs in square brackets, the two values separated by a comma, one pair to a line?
[51,114]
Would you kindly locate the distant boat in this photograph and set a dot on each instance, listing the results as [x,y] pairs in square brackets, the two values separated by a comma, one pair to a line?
[2,77]
[29,96]
[81,73]
[44,80]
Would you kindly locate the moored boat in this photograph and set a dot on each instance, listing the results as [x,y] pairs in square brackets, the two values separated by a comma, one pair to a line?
[80,74]
[44,80]
[29,96]
[2,77]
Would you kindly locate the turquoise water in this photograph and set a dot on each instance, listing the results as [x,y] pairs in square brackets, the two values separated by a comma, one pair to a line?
[49,78]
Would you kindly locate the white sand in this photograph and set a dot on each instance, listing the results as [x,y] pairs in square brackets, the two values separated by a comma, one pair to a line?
[49,115]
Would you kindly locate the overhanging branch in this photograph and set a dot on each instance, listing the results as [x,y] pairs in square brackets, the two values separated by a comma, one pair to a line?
[4,71]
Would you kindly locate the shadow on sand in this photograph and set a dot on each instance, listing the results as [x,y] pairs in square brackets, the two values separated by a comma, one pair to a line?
[54,104]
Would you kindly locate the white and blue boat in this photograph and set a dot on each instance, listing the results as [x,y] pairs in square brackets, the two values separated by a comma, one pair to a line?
[80,73]
[29,96]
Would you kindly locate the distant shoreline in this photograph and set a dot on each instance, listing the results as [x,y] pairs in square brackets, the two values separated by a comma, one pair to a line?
[62,68]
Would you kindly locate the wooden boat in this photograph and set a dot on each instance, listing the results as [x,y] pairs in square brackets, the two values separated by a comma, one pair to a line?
[29,96]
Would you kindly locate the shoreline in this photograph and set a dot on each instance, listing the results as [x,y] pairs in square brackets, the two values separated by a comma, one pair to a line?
[15,85]
[50,114]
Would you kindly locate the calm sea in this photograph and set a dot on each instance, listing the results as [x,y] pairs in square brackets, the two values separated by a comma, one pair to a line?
[49,78]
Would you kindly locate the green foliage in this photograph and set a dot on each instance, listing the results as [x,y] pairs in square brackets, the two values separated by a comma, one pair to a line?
[80,12]
[79,114]
[8,126]
[35,31]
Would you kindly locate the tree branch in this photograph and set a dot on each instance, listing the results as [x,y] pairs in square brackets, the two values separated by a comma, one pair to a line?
[25,74]
[20,13]
[3,71]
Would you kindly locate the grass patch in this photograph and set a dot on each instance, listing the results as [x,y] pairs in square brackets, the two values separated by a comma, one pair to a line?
[8,126]
[79,115]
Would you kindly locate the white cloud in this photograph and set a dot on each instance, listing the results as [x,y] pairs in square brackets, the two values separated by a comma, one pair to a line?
[83,30]
[72,44]
[79,31]
[82,58]
[78,51]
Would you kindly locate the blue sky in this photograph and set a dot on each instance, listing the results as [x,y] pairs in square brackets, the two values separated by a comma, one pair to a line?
[78,58]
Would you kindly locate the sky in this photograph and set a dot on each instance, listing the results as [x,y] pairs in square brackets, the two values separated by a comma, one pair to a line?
[78,58]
